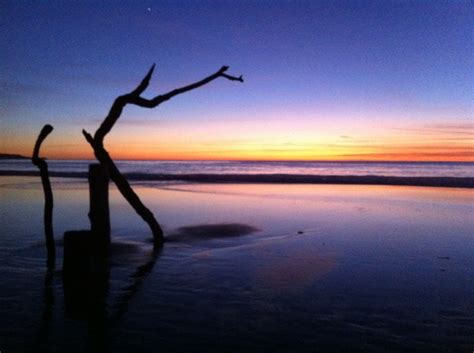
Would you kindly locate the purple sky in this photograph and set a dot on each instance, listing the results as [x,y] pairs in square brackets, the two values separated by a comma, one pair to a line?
[323,79]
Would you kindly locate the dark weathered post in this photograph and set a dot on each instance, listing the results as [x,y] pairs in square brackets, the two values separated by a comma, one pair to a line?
[76,263]
[48,195]
[99,207]
[85,282]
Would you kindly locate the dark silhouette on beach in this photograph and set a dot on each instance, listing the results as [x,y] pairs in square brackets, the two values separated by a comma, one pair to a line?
[99,213]
[86,295]
[97,142]
[12,156]
[48,195]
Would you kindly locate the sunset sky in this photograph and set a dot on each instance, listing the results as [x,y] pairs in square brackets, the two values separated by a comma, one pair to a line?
[353,80]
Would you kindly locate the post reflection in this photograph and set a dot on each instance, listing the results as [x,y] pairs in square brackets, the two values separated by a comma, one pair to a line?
[86,298]
[42,341]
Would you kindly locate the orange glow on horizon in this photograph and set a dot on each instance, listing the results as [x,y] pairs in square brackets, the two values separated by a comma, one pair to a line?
[379,153]
[283,140]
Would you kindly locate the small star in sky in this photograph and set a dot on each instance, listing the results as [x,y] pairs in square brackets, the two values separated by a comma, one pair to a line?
[149,9]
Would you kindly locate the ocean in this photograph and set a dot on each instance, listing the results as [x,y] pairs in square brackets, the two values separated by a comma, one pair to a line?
[150,168]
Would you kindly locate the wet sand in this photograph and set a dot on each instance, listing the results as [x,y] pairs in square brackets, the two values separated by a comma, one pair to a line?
[252,267]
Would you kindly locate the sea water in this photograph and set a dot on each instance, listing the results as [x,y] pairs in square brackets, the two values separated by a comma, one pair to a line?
[405,169]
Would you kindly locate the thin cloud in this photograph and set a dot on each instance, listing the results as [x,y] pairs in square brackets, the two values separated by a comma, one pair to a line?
[441,128]
[389,156]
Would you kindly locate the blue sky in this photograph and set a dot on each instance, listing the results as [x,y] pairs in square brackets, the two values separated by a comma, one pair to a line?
[363,69]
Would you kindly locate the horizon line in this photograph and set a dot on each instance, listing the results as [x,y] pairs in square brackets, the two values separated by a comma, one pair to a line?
[250,160]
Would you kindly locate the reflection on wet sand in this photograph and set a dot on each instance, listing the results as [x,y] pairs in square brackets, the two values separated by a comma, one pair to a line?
[285,263]
[295,269]
[44,333]
[211,231]
[363,267]
[119,309]
[86,297]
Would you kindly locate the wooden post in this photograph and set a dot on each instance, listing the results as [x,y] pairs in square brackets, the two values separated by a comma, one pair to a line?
[99,208]
[48,195]
[85,281]
[76,263]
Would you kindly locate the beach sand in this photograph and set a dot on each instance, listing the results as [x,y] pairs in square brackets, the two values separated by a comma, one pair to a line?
[247,268]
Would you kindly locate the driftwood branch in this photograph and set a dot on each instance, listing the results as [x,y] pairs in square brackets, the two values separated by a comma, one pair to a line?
[97,142]
[125,189]
[135,99]
[48,195]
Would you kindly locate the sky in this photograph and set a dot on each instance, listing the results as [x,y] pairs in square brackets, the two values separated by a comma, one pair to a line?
[324,80]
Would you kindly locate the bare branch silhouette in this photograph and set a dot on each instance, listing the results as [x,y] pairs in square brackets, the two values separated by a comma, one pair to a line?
[134,98]
[125,189]
[114,114]
[48,195]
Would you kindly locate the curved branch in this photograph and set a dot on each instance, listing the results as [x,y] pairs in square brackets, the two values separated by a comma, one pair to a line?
[233,78]
[125,189]
[145,82]
[48,195]
[134,98]
[97,142]
[142,102]
[45,131]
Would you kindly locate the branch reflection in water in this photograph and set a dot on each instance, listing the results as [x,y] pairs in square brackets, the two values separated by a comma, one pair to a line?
[86,298]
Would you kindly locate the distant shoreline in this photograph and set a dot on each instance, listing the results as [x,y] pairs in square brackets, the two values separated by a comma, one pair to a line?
[450,182]
[12,156]
[275,161]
